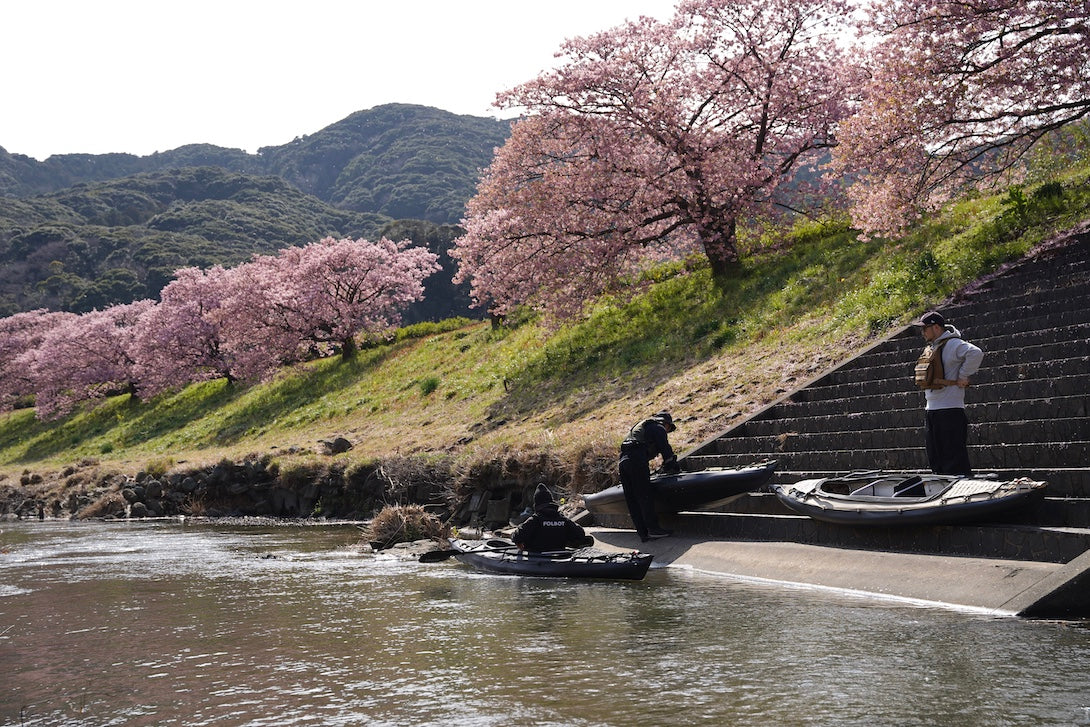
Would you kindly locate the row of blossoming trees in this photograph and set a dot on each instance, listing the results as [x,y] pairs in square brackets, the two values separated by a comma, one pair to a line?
[651,139]
[238,323]
[665,136]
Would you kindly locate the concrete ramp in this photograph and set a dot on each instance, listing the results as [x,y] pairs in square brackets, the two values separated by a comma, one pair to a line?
[1002,587]
[1029,408]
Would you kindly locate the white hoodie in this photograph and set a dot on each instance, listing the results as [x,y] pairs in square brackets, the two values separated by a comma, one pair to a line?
[960,360]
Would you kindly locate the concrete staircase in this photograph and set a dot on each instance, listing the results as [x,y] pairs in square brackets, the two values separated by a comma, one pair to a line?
[1029,412]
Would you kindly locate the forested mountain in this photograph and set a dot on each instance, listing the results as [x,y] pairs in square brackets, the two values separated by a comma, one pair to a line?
[96,245]
[81,231]
[398,160]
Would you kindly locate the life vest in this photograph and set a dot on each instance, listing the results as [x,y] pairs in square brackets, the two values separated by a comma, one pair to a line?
[929,373]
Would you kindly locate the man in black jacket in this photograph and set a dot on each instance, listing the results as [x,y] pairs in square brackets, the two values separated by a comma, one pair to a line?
[548,530]
[644,442]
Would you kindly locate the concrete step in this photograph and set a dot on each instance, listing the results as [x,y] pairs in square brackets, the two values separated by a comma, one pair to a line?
[994,310]
[984,457]
[1055,294]
[1029,413]
[1071,480]
[1018,322]
[1070,340]
[815,402]
[1010,541]
[1072,265]
[1072,260]
[899,378]
[1061,512]
[1060,410]
[1034,432]
[1028,362]
[994,332]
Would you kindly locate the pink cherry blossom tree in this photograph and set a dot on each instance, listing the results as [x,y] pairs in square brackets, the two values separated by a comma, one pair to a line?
[183,339]
[958,92]
[324,294]
[85,357]
[240,324]
[243,323]
[653,135]
[21,334]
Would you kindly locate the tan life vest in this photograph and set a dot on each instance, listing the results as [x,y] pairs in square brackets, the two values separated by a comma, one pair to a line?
[929,373]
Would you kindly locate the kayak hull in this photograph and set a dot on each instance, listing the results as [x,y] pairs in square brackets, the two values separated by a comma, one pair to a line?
[491,557]
[898,498]
[687,490]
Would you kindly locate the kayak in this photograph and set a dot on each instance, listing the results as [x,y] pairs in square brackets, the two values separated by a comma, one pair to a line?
[503,556]
[903,498]
[688,490]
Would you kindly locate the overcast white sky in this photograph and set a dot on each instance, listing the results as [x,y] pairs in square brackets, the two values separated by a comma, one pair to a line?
[140,76]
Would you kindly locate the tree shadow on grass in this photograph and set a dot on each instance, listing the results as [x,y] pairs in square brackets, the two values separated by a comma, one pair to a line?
[627,350]
[210,413]
[291,393]
[120,421]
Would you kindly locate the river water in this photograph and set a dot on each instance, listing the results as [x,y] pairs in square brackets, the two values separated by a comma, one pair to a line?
[200,624]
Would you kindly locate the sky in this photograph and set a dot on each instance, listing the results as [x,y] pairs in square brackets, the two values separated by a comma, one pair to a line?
[140,76]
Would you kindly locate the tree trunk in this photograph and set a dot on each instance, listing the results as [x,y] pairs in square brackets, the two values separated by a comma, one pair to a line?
[349,349]
[719,246]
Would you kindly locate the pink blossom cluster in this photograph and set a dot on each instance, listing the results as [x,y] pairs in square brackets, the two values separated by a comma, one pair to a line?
[239,323]
[652,135]
[672,134]
[956,92]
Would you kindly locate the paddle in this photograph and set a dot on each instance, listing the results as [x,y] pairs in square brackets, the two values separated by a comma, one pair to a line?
[434,556]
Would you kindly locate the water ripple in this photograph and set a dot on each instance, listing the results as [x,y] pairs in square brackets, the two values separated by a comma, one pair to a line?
[167,624]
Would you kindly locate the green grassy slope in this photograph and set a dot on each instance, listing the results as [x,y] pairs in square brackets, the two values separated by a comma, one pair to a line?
[711,354]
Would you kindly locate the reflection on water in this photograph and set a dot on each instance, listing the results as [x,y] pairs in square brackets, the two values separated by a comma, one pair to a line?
[170,624]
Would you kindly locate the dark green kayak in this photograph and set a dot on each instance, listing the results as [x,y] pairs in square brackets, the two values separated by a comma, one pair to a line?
[502,556]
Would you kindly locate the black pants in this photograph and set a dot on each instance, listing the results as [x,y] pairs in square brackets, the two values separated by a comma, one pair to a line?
[947,441]
[638,495]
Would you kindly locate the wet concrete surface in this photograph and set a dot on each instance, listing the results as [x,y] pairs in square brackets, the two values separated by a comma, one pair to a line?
[1006,587]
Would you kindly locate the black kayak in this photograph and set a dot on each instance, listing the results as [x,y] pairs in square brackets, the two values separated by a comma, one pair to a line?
[502,556]
[688,490]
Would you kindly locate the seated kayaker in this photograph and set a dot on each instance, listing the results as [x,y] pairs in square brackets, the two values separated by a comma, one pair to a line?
[547,529]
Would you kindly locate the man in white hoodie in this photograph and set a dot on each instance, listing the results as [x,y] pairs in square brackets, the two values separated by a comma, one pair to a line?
[947,427]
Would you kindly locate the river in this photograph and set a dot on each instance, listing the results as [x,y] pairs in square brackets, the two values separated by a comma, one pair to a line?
[166,623]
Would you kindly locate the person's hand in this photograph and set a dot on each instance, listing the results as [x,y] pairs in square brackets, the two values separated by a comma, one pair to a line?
[963,383]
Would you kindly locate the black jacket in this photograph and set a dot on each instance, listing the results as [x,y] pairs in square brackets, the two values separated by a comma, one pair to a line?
[647,440]
[547,530]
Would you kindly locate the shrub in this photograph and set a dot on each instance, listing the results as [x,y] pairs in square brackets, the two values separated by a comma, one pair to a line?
[111,505]
[299,474]
[429,385]
[159,467]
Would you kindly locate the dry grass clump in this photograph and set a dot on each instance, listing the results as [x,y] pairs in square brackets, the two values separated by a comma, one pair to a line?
[404,524]
[112,505]
[503,467]
[592,466]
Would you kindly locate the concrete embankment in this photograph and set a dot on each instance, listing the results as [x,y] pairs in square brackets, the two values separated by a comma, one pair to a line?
[1029,408]
[1002,587]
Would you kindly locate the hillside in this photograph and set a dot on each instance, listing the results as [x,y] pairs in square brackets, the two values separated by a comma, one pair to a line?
[95,245]
[398,160]
[519,401]
[395,160]
[80,231]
